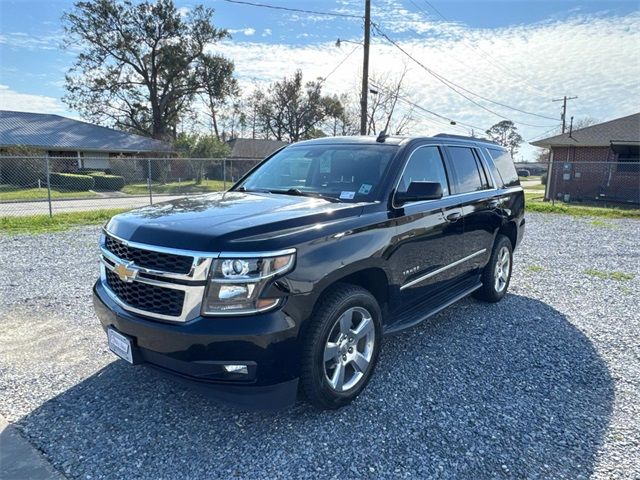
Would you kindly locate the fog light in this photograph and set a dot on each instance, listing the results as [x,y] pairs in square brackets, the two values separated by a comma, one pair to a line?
[236,369]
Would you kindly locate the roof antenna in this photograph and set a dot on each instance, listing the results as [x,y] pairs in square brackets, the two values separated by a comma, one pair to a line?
[381,136]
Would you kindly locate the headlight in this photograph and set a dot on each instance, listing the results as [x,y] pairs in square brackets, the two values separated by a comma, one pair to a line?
[235,284]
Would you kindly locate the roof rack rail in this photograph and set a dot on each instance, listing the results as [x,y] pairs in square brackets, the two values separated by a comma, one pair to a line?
[465,137]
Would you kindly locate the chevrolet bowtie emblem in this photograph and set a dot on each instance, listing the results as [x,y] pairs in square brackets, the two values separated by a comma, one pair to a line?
[126,272]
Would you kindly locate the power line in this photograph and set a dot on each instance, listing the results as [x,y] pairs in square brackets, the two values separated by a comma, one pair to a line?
[296,10]
[542,134]
[340,64]
[452,86]
[444,120]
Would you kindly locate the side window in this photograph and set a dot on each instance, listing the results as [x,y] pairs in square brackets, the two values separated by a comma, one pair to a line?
[470,175]
[425,165]
[504,165]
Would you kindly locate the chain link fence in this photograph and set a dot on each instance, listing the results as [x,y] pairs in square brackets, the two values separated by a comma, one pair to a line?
[604,182]
[50,185]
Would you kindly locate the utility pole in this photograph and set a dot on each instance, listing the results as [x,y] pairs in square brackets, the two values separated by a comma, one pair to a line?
[365,68]
[564,110]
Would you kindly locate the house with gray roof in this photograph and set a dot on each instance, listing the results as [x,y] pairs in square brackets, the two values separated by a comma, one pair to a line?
[57,136]
[599,162]
[253,148]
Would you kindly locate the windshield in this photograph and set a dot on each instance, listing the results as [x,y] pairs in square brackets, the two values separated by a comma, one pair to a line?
[348,173]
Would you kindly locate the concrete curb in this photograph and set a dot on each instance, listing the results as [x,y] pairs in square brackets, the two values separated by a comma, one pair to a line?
[19,460]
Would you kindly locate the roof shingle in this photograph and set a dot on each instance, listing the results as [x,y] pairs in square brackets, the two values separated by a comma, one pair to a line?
[625,129]
[253,147]
[53,132]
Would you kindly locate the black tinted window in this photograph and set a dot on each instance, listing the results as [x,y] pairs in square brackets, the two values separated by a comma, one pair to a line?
[504,165]
[347,172]
[425,165]
[468,178]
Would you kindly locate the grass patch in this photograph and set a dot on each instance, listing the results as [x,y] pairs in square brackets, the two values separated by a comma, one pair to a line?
[602,224]
[536,268]
[538,187]
[11,192]
[176,188]
[36,224]
[535,203]
[618,276]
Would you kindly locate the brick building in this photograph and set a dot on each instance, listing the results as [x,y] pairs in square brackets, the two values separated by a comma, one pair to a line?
[596,163]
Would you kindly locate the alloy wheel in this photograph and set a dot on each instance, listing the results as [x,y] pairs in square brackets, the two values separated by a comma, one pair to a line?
[503,269]
[349,349]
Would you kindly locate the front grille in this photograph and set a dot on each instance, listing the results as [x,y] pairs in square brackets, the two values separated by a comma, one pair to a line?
[165,262]
[164,301]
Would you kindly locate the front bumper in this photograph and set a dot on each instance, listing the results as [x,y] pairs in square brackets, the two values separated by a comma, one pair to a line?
[195,352]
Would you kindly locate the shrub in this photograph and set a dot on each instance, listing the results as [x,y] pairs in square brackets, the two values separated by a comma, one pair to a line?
[523,173]
[107,182]
[543,179]
[23,172]
[71,181]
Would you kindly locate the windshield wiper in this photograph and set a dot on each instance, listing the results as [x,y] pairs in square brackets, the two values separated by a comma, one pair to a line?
[300,193]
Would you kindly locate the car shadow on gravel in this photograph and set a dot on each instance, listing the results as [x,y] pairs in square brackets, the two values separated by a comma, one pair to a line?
[511,390]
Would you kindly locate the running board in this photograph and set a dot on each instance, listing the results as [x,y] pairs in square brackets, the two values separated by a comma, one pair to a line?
[400,326]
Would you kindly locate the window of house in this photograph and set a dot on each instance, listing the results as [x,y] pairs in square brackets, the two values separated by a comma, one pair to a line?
[425,165]
[469,173]
[628,158]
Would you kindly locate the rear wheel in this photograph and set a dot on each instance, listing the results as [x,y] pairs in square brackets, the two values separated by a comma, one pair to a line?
[341,346]
[497,274]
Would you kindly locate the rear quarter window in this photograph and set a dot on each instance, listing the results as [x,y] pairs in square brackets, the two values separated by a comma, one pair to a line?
[504,164]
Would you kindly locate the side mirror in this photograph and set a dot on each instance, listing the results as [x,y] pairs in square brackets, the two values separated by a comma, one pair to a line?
[419,191]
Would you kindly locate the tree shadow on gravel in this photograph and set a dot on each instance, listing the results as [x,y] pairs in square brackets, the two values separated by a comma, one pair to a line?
[511,390]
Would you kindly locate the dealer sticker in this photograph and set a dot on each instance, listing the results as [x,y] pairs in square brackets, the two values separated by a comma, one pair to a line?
[347,195]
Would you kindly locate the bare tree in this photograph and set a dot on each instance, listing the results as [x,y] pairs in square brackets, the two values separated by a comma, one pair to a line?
[385,113]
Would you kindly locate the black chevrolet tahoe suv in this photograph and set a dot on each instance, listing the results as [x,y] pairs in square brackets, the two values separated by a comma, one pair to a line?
[287,282]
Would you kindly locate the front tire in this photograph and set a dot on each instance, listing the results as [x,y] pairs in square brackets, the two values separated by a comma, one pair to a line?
[341,346]
[496,276]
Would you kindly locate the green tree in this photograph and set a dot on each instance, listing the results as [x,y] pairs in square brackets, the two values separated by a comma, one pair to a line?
[218,85]
[139,62]
[506,134]
[199,149]
[292,110]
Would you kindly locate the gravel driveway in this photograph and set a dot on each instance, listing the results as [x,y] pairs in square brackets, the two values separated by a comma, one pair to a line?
[545,384]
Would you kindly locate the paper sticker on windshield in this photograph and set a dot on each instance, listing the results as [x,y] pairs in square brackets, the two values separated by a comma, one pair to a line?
[347,195]
[365,188]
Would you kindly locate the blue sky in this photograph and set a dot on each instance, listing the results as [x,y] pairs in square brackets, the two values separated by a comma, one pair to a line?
[522,53]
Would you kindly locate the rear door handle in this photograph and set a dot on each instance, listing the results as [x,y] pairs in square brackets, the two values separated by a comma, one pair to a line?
[453,217]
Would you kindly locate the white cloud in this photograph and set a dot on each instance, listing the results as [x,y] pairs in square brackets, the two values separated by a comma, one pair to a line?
[32,42]
[26,102]
[524,66]
[248,31]
[184,11]
[266,32]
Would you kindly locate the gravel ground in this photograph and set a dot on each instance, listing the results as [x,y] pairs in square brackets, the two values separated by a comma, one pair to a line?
[545,384]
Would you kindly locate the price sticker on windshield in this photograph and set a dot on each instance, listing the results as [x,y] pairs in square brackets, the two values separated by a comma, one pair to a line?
[347,195]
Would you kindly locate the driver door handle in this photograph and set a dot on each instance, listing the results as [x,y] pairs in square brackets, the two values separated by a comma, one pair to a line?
[453,217]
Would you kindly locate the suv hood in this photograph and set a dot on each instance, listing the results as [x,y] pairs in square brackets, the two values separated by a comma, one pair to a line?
[227,221]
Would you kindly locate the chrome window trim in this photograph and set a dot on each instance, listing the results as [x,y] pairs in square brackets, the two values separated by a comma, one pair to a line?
[455,195]
[441,269]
